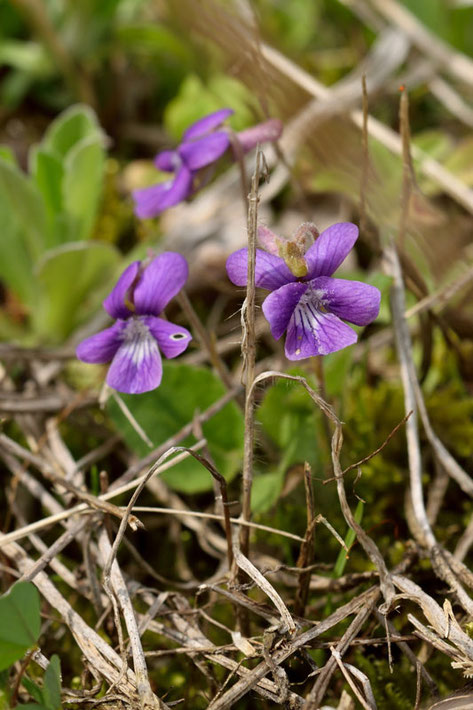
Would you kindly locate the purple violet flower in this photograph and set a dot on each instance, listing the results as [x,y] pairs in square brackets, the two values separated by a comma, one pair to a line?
[202,144]
[310,308]
[134,342]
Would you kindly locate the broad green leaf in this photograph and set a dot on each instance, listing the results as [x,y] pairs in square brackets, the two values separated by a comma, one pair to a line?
[20,622]
[10,329]
[23,202]
[72,278]
[292,420]
[32,706]
[266,490]
[52,684]
[71,126]
[184,391]
[82,184]
[5,690]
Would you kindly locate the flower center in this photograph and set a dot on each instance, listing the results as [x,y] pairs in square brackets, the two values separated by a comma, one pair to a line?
[176,161]
[308,310]
[139,339]
[135,329]
[314,297]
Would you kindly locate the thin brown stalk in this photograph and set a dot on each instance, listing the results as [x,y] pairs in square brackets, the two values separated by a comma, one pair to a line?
[222,484]
[249,352]
[306,553]
[421,528]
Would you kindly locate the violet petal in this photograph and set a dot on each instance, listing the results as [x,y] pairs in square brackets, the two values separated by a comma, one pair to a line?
[353,301]
[279,306]
[313,332]
[172,339]
[270,271]
[114,304]
[330,249]
[199,153]
[150,201]
[207,124]
[137,365]
[159,282]
[101,347]
[167,160]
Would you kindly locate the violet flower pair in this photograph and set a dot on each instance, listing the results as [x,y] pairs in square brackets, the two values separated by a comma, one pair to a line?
[203,143]
[310,308]
[305,300]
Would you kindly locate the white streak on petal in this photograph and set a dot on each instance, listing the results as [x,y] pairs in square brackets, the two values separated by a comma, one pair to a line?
[136,367]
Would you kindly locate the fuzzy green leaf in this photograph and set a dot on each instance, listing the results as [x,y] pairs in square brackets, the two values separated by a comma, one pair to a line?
[72,277]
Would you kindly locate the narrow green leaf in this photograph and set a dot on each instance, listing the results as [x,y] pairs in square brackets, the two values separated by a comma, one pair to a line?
[266,490]
[24,203]
[47,172]
[33,689]
[342,558]
[52,684]
[82,185]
